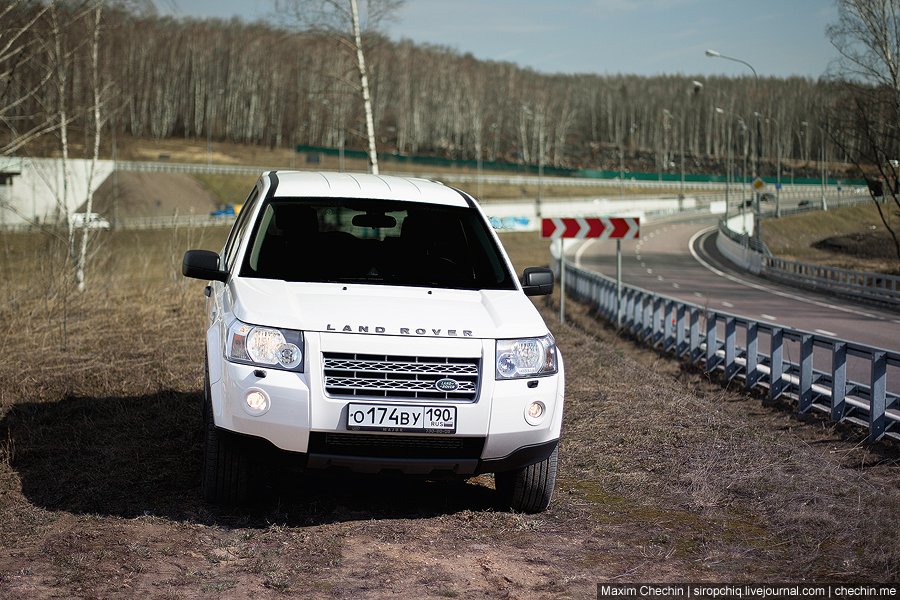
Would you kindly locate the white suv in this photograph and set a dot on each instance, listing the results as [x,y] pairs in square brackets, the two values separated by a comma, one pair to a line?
[374,324]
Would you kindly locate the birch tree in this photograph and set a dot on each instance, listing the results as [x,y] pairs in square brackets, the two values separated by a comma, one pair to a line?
[80,258]
[342,18]
[866,123]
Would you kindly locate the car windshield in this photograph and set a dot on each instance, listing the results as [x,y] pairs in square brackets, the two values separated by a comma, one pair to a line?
[374,241]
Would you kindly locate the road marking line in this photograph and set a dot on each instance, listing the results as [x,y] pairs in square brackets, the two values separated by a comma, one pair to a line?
[826,332]
[649,271]
[659,278]
[769,290]
[587,244]
[698,294]
[768,317]
[676,286]
[727,304]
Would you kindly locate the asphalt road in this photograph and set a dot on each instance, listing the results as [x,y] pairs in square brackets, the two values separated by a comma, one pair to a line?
[679,259]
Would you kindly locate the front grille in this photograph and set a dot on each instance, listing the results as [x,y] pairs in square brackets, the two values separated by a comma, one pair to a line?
[395,446]
[399,377]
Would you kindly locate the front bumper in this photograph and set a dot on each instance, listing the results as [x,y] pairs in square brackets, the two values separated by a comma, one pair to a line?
[492,432]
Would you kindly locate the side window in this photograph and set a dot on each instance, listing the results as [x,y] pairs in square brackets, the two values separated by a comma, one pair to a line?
[240,227]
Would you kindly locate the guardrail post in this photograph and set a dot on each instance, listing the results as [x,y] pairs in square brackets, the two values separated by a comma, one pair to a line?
[628,301]
[776,370]
[752,372]
[604,295]
[804,397]
[694,344]
[639,314]
[679,330]
[668,328]
[877,400]
[731,367]
[838,380]
[656,325]
[711,341]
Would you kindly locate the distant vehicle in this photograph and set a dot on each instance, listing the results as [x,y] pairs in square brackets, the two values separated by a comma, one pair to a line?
[225,211]
[804,203]
[90,221]
[748,202]
[766,196]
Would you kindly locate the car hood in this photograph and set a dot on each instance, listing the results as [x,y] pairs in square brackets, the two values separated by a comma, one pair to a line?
[385,310]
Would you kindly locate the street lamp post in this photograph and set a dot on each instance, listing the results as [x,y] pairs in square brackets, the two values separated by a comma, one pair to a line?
[746,148]
[538,118]
[667,113]
[728,149]
[778,165]
[716,54]
[824,169]
[209,123]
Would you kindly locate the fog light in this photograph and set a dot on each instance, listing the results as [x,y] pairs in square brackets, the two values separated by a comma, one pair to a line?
[256,403]
[535,413]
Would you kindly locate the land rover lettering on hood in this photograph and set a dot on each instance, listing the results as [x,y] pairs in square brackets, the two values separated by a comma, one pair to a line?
[374,324]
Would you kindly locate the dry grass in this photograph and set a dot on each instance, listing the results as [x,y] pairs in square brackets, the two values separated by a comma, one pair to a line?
[665,476]
[797,237]
[233,188]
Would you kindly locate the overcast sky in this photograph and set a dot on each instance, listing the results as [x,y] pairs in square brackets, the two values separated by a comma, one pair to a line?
[645,37]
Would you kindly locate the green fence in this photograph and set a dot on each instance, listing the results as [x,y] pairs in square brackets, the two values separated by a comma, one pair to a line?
[438,161]
[530,169]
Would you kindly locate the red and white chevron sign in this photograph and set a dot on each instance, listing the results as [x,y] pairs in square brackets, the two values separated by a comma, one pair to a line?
[603,228]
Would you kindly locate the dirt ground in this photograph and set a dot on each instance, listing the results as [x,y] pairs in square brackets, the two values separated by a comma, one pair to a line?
[131,194]
[665,475]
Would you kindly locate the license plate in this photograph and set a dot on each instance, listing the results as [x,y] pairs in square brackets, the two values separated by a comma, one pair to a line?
[391,417]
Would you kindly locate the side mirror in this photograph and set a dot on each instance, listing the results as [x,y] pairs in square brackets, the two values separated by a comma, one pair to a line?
[202,264]
[537,281]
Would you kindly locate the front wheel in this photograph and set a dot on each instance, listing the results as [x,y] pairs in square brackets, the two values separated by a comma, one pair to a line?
[530,488]
[226,466]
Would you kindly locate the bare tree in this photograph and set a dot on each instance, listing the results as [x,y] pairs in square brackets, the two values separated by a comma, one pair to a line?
[867,38]
[20,50]
[80,258]
[341,17]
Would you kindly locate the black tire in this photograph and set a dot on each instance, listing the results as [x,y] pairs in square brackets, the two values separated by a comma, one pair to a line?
[530,488]
[226,464]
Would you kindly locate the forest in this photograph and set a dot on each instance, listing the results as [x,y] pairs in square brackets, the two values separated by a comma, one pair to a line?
[276,85]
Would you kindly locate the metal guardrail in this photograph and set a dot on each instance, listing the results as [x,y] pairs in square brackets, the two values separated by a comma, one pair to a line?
[710,339]
[867,285]
[173,222]
[863,284]
[171,167]
[170,222]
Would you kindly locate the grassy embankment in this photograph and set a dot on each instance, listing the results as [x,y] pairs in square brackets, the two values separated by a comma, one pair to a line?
[849,238]
[231,189]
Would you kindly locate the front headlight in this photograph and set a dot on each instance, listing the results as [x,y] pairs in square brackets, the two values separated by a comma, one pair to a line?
[529,357]
[265,346]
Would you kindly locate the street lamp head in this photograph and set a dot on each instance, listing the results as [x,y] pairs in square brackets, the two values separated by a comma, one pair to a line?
[712,53]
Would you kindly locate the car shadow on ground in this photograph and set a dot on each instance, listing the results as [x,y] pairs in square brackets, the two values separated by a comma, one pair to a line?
[140,456]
